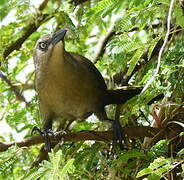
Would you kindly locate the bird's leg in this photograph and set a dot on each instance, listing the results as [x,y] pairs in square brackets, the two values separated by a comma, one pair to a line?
[118,134]
[45,133]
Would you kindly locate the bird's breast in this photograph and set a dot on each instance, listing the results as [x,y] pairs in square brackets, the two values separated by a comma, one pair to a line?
[68,94]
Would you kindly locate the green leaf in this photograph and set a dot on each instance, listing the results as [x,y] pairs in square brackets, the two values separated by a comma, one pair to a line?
[34,174]
[180,153]
[159,167]
[152,46]
[124,23]
[134,60]
[181,134]
[164,1]
[103,5]
[129,155]
[154,177]
[144,172]
[68,168]
[179,15]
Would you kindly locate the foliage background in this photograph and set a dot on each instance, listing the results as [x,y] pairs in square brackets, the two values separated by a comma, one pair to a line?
[123,39]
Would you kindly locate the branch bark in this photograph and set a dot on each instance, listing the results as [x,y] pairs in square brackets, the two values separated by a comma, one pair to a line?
[105,136]
[101,45]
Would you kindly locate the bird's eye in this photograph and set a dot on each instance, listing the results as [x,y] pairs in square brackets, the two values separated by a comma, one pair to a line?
[42,45]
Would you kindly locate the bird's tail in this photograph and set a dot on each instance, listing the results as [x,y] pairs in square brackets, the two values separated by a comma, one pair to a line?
[121,95]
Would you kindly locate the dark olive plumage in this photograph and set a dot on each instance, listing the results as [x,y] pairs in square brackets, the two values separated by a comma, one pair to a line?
[69,85]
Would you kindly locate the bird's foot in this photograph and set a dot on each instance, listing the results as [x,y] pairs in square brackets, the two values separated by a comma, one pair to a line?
[59,136]
[45,134]
[118,134]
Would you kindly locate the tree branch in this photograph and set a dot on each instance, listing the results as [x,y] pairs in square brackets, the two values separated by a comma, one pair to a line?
[105,136]
[101,45]
[43,5]
[28,30]
[18,95]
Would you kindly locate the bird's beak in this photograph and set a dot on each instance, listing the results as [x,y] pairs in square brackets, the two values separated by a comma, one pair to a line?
[58,36]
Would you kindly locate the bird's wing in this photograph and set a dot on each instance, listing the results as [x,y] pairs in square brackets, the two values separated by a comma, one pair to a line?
[91,67]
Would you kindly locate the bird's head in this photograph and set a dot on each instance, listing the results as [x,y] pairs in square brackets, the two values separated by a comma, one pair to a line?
[48,46]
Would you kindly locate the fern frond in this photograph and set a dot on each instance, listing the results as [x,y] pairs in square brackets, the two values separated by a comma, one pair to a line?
[158,167]
[123,24]
[103,5]
[34,175]
[68,168]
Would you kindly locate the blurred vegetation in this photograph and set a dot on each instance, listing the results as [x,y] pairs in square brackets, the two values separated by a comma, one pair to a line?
[132,34]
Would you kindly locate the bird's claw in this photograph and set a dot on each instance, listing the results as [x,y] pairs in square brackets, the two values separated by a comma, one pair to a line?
[36,129]
[45,134]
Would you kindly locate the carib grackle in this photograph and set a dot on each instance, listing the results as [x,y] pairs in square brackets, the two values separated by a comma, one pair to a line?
[69,86]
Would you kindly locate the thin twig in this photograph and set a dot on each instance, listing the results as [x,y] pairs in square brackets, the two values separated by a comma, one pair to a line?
[18,95]
[28,30]
[162,48]
[102,44]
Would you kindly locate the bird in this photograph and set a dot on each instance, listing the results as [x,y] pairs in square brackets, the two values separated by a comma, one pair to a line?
[69,86]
